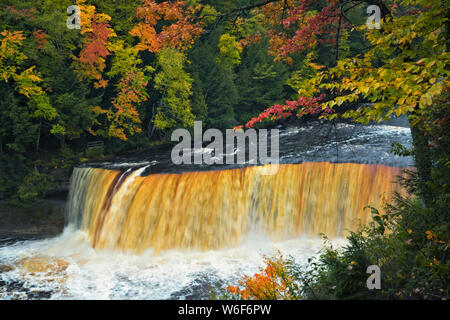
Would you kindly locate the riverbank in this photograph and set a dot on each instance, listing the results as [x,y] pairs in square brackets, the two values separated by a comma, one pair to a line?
[44,219]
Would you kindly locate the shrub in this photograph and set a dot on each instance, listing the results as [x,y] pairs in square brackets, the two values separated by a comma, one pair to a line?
[34,187]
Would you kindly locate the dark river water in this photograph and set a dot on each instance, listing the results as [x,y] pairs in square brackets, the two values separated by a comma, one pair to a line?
[314,141]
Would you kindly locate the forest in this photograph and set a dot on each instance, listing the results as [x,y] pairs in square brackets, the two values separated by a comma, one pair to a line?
[129,78]
[124,74]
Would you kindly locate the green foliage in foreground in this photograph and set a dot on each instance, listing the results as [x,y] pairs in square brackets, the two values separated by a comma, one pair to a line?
[409,241]
[33,188]
[412,258]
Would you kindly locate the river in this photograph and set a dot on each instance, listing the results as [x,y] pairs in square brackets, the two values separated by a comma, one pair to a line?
[140,227]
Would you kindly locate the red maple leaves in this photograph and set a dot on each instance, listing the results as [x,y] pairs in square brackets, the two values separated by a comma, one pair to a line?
[40,37]
[97,31]
[295,26]
[303,106]
[179,35]
[93,54]
[22,13]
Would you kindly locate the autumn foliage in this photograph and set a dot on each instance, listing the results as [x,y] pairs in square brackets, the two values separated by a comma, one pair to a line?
[301,107]
[97,31]
[40,37]
[100,41]
[295,26]
[180,34]
[131,92]
[272,283]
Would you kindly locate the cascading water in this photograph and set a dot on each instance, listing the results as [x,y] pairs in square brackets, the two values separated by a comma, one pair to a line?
[143,228]
[216,209]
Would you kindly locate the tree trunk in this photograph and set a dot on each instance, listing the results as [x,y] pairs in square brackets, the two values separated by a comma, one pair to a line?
[38,138]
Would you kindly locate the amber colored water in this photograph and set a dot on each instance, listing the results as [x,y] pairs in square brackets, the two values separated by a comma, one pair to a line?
[217,209]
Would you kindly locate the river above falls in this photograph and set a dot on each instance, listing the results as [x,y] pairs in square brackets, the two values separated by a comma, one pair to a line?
[337,142]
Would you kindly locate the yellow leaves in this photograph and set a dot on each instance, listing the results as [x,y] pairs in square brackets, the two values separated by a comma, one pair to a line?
[229,49]
[363,89]
[430,64]
[425,100]
[315,66]
[421,62]
[10,54]
[382,73]
[436,88]
[98,110]
[430,235]
[26,83]
[410,68]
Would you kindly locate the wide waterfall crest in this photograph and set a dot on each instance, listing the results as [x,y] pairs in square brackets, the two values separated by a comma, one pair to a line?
[216,209]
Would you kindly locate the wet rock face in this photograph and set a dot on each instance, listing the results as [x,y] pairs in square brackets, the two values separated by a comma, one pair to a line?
[45,269]
[17,290]
[200,288]
[44,219]
[42,265]
[5,268]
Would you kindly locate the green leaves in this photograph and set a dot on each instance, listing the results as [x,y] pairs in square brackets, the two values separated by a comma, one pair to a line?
[35,185]
[175,85]
[229,50]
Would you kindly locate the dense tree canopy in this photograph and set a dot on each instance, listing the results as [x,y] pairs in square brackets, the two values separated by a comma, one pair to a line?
[136,70]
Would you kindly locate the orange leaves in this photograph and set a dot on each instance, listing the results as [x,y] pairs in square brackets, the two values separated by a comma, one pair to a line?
[273,282]
[15,37]
[9,46]
[132,91]
[179,35]
[178,32]
[97,31]
[148,38]
[430,235]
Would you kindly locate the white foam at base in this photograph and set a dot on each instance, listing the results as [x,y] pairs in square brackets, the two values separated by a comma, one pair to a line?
[102,274]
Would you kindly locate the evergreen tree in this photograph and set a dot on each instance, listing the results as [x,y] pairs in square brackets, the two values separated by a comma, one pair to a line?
[260,82]
[198,102]
[220,92]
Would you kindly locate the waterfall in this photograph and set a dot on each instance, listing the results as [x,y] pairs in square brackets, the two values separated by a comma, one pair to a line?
[214,209]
